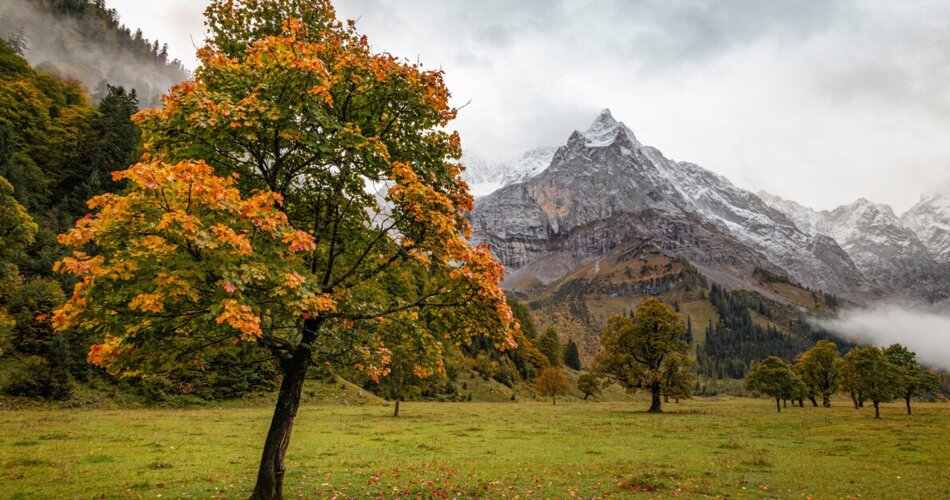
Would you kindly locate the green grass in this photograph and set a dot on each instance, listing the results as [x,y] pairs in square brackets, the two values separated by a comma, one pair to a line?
[712,447]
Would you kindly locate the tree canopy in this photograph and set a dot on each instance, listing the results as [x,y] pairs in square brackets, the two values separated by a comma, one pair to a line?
[773,377]
[873,376]
[283,188]
[639,351]
[552,383]
[913,380]
[819,371]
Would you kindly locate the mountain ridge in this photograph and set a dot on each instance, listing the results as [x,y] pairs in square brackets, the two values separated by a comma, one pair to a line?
[605,171]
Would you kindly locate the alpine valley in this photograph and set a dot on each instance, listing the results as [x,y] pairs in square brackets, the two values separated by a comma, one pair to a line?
[588,228]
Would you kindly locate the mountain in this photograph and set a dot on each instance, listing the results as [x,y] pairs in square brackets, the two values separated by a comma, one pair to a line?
[486,176]
[612,220]
[930,219]
[883,247]
[83,40]
[604,187]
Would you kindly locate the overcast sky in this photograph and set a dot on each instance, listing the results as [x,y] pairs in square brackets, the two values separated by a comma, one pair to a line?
[822,102]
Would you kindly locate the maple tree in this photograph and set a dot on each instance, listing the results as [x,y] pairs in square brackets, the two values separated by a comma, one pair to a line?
[872,375]
[774,377]
[913,379]
[678,376]
[552,383]
[282,190]
[645,351]
[590,385]
[818,368]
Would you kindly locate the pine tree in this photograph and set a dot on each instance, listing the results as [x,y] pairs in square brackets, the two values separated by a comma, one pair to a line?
[572,358]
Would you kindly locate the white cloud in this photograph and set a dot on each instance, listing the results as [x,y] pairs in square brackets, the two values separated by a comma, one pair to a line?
[926,333]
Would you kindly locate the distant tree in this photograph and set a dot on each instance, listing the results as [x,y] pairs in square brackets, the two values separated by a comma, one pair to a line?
[679,377]
[688,336]
[638,350]
[523,315]
[552,383]
[19,42]
[819,370]
[913,380]
[590,385]
[550,346]
[407,375]
[17,231]
[772,377]
[572,358]
[850,382]
[800,389]
[873,375]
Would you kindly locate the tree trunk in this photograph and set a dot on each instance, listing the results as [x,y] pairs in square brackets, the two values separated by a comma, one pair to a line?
[813,402]
[553,399]
[655,396]
[666,398]
[825,400]
[778,405]
[396,410]
[586,394]
[907,399]
[785,403]
[801,403]
[877,410]
[854,398]
[270,475]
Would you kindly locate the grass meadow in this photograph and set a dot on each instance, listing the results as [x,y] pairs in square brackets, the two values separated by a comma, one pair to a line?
[703,447]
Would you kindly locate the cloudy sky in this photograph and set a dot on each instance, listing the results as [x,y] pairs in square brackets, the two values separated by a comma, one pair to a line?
[821,102]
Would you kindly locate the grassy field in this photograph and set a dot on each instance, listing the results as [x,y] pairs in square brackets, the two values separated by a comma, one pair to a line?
[702,447]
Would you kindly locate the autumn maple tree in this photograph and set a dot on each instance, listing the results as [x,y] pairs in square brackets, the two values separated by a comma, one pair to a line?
[282,191]
[646,352]
[552,383]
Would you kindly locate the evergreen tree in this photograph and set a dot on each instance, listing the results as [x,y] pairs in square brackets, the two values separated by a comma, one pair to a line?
[572,358]
[550,346]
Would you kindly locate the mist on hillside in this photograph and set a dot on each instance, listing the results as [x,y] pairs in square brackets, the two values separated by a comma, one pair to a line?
[91,51]
[925,332]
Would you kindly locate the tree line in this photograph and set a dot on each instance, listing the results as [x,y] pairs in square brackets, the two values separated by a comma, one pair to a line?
[864,373]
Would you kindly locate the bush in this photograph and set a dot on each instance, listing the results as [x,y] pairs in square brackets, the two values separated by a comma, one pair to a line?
[38,378]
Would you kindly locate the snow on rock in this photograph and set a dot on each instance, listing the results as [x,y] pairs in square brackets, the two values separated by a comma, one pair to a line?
[930,219]
[486,176]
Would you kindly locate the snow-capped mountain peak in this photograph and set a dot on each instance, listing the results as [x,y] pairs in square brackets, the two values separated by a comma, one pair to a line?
[485,176]
[605,130]
[930,219]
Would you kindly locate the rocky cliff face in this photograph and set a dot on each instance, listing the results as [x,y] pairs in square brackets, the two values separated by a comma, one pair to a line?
[930,219]
[604,178]
[885,249]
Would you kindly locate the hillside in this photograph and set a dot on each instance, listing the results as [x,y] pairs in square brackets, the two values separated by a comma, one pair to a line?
[84,40]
